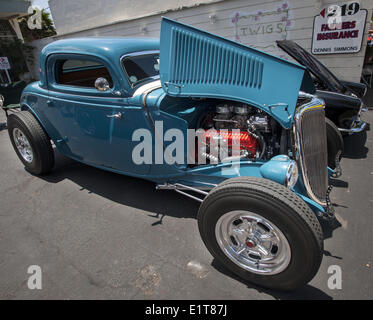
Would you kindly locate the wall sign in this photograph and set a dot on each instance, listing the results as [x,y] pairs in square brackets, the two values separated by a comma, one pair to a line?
[339,28]
[261,28]
[4,63]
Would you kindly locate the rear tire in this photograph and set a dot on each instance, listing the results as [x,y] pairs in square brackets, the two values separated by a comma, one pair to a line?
[275,208]
[334,142]
[30,142]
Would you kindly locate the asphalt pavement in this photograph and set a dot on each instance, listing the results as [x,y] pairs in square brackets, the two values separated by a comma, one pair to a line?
[100,235]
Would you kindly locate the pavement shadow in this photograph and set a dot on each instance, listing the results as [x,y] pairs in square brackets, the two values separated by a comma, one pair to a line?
[307,292]
[125,190]
[354,146]
[328,227]
[338,183]
[141,194]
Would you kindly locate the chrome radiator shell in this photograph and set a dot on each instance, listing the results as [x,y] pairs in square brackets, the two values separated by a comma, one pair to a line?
[311,149]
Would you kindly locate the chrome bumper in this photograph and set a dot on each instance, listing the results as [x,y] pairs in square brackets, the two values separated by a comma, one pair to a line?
[357,126]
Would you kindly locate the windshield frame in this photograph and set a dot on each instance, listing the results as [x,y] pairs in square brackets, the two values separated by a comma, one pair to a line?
[134,54]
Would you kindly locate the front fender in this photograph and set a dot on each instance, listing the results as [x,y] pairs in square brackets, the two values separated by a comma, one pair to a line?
[209,176]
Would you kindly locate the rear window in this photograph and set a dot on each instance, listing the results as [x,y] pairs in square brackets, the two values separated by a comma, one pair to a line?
[81,73]
[141,68]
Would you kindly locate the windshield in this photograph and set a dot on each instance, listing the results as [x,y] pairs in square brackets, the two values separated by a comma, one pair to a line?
[314,65]
[142,67]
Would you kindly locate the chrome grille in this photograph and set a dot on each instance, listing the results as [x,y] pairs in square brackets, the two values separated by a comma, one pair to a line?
[313,151]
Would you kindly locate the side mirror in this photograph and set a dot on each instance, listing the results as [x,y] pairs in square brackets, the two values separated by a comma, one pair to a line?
[101,84]
[1,101]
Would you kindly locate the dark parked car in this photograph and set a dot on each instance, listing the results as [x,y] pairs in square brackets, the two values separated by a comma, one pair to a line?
[11,92]
[343,99]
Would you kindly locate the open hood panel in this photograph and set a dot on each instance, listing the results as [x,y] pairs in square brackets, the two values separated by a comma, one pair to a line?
[194,63]
[312,64]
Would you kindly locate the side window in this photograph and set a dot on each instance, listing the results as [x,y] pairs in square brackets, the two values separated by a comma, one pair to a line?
[80,73]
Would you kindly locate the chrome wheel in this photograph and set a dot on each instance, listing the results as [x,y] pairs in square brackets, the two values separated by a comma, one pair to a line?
[23,145]
[253,242]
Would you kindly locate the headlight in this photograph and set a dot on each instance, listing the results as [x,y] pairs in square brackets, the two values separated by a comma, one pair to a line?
[292,175]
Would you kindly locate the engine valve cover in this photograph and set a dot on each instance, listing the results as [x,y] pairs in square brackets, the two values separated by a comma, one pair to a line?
[226,139]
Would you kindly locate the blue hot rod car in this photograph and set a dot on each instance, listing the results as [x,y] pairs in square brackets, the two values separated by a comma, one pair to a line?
[260,201]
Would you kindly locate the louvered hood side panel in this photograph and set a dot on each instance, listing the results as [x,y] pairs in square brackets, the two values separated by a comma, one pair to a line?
[194,63]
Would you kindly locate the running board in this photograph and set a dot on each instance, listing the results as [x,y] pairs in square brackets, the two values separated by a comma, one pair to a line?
[182,189]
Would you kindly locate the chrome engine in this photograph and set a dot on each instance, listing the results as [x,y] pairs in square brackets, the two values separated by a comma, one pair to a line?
[259,136]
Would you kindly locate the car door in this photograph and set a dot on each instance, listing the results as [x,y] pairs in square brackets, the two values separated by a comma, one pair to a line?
[92,126]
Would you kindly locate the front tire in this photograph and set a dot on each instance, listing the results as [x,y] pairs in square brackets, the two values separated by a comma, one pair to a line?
[262,232]
[334,142]
[30,142]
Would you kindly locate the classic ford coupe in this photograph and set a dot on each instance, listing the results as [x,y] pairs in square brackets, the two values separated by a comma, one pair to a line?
[130,106]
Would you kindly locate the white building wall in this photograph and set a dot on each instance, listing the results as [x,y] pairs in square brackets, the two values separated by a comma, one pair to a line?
[258,23]
[100,13]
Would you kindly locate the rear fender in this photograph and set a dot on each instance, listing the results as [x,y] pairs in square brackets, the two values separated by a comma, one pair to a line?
[25,106]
